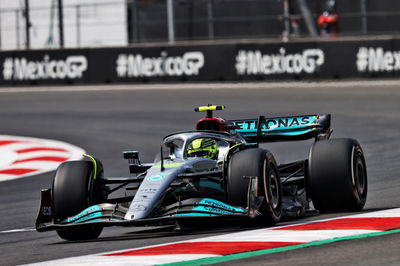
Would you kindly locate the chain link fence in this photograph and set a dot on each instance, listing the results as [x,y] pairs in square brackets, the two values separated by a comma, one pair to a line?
[85,25]
[124,22]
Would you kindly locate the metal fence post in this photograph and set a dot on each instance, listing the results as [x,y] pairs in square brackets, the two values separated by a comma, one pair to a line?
[286,18]
[134,22]
[308,18]
[0,30]
[78,25]
[363,8]
[210,19]
[17,29]
[27,25]
[61,23]
[170,17]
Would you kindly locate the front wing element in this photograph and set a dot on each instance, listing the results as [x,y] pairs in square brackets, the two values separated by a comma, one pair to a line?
[112,214]
[107,214]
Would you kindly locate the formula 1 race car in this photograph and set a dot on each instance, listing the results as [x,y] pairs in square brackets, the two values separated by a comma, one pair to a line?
[217,171]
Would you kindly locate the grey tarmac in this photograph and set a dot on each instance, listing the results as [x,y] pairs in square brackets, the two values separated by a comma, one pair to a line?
[106,120]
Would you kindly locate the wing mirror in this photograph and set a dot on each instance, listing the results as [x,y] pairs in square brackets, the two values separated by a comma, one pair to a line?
[135,166]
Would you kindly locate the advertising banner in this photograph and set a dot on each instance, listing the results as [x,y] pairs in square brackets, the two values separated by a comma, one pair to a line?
[226,62]
[44,67]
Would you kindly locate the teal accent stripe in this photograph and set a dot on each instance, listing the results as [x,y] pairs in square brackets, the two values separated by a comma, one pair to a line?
[192,214]
[217,207]
[245,255]
[286,132]
[210,184]
[87,214]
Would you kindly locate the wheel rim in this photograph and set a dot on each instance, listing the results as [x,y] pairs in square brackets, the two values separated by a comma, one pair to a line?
[273,189]
[360,177]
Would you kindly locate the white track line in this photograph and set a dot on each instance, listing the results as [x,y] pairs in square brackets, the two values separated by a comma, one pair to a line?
[28,229]
[284,235]
[125,261]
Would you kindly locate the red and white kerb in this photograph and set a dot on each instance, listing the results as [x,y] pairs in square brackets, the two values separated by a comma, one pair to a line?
[253,240]
[25,156]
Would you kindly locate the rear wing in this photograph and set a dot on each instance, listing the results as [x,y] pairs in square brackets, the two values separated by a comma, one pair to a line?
[284,128]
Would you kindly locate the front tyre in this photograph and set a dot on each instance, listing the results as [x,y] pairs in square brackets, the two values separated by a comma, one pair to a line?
[260,163]
[75,189]
[337,179]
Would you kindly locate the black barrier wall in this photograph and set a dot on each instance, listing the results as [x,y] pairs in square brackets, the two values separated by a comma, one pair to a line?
[227,62]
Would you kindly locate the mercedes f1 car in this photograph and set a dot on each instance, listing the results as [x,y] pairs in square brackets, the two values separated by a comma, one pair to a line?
[217,171]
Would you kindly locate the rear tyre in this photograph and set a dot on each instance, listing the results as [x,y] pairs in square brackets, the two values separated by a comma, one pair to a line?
[260,163]
[75,189]
[337,179]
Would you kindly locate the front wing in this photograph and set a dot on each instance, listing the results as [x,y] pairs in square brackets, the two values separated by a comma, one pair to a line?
[107,214]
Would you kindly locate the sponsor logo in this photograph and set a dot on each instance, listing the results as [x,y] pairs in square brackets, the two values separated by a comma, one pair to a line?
[216,207]
[256,63]
[87,214]
[135,65]
[137,208]
[275,123]
[46,211]
[370,59]
[148,190]
[72,67]
[156,177]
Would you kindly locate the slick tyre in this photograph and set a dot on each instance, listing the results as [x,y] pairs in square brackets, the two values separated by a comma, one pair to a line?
[337,176]
[260,163]
[75,189]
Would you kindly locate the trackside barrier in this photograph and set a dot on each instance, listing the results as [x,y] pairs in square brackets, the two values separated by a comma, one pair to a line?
[224,62]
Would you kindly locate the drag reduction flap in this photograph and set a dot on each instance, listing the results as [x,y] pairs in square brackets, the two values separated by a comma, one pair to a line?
[283,128]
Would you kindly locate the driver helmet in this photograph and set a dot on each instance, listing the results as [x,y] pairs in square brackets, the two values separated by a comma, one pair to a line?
[331,6]
[203,147]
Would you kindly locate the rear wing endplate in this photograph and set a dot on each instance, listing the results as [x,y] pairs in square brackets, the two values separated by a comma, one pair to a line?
[283,128]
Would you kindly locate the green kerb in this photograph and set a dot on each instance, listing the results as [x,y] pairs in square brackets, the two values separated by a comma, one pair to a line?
[274,250]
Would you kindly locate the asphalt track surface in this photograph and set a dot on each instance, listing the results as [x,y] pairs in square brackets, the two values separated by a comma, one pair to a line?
[106,120]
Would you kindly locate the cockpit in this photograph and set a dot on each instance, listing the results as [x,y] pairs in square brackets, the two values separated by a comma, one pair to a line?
[194,144]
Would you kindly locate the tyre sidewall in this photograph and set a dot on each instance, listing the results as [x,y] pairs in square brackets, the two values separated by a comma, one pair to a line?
[260,163]
[331,181]
[75,189]
[274,210]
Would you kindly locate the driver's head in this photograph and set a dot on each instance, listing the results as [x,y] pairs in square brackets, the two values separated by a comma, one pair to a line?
[203,147]
[330,5]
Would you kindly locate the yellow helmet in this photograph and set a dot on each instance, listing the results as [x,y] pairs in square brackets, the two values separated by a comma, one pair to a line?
[203,147]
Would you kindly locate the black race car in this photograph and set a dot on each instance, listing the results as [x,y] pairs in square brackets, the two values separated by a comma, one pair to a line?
[217,171]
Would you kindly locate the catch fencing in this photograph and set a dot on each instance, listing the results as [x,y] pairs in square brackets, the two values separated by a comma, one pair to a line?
[123,22]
